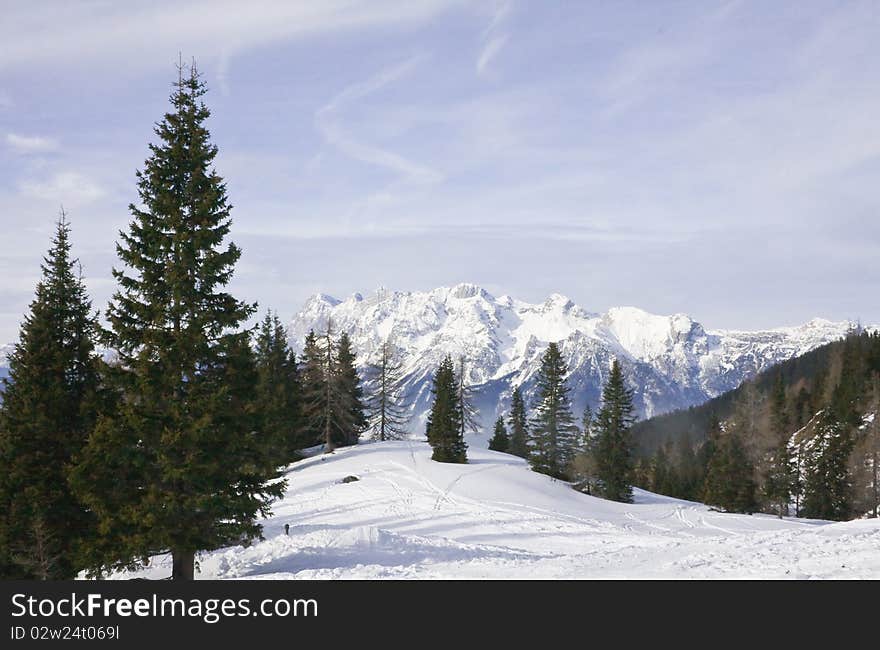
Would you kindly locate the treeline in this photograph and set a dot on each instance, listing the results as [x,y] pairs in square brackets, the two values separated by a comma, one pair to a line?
[174,444]
[596,455]
[802,439]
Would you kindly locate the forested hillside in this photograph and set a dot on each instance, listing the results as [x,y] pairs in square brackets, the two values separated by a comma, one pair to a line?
[800,438]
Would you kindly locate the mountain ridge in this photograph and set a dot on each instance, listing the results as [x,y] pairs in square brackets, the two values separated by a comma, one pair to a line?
[672,362]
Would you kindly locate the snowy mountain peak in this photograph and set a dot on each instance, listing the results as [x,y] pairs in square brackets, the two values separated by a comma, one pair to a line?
[465,290]
[558,301]
[671,361]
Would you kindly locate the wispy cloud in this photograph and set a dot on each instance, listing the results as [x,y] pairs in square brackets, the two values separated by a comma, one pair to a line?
[490,51]
[329,122]
[69,188]
[145,33]
[24,144]
[494,37]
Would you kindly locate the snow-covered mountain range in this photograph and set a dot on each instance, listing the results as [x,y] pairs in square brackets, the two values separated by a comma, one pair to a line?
[671,361]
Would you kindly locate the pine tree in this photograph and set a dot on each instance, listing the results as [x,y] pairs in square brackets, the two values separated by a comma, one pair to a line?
[614,454]
[827,483]
[444,421]
[553,433]
[178,467]
[499,440]
[778,481]
[730,482]
[660,479]
[47,412]
[388,408]
[355,421]
[312,390]
[519,429]
[278,390]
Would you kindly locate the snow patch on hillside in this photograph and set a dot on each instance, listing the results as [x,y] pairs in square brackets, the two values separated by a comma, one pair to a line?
[409,517]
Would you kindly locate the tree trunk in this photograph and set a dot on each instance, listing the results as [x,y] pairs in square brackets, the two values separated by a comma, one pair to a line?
[183,565]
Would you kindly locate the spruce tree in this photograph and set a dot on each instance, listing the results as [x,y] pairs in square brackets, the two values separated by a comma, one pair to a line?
[614,453]
[444,421]
[827,483]
[730,482]
[47,413]
[519,428]
[178,467]
[779,480]
[552,431]
[388,408]
[346,374]
[278,391]
[312,390]
[499,440]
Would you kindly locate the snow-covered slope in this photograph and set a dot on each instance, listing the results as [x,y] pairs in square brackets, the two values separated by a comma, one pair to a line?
[409,517]
[671,361]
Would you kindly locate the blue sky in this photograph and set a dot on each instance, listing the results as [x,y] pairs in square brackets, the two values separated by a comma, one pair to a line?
[715,158]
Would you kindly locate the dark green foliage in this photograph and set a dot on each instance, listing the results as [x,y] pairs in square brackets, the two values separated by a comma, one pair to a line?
[444,421]
[802,427]
[519,429]
[552,432]
[827,484]
[350,387]
[312,385]
[48,409]
[779,479]
[499,440]
[614,449]
[180,465]
[730,477]
[278,391]
[810,368]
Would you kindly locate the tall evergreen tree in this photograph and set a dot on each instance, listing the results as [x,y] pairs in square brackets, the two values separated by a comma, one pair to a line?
[499,440]
[387,405]
[827,482]
[553,433]
[178,468]
[519,428]
[278,390]
[614,453]
[730,482]
[47,412]
[779,480]
[444,421]
[312,389]
[347,376]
